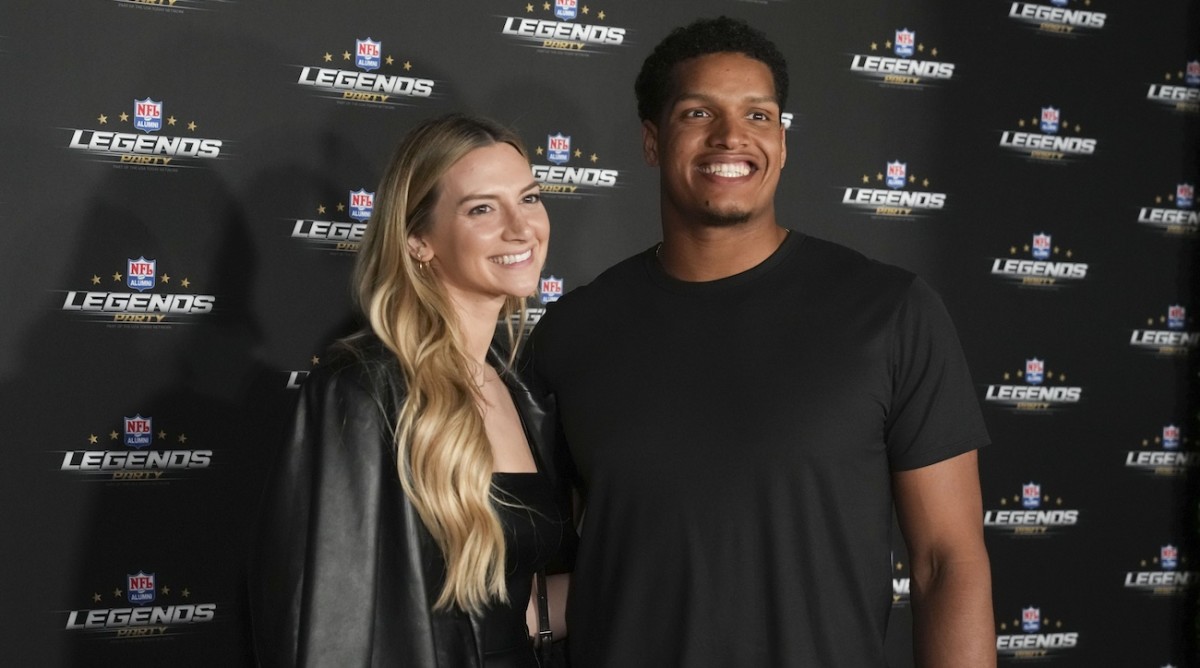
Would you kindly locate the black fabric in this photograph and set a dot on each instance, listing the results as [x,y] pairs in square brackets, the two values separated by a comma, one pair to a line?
[533,529]
[734,441]
[343,571]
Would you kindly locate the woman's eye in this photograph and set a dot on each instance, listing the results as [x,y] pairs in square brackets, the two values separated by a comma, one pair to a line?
[533,198]
[479,210]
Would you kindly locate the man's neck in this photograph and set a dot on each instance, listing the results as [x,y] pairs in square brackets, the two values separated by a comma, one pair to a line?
[697,253]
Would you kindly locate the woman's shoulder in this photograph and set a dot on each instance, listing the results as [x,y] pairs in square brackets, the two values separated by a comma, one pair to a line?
[359,363]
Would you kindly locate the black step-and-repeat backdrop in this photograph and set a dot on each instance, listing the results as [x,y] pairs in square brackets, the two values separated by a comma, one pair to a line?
[186,183]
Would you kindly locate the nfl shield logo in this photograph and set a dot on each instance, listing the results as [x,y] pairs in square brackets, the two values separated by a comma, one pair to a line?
[1041,246]
[1050,120]
[1031,495]
[139,274]
[140,588]
[1169,557]
[566,9]
[367,54]
[1035,371]
[138,431]
[552,289]
[1184,195]
[558,148]
[1031,620]
[906,40]
[897,174]
[361,204]
[1170,437]
[1193,73]
[147,115]
[1175,316]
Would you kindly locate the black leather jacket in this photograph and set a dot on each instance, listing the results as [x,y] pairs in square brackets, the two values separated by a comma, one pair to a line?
[344,572]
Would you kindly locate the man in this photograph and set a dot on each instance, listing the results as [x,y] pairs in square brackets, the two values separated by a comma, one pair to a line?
[743,403]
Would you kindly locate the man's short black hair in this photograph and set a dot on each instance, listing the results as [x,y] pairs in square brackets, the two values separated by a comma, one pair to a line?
[700,38]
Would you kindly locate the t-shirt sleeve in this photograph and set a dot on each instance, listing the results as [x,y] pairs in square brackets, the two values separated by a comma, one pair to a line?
[934,413]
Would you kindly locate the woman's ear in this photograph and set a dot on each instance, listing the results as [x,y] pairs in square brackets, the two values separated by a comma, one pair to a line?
[418,249]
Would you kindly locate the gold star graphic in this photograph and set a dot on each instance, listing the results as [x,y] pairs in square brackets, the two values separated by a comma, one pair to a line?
[1012,250]
[95,598]
[166,278]
[899,566]
[186,593]
[933,52]
[407,65]
[1150,321]
[162,434]
[925,183]
[529,8]
[874,46]
[594,158]
[315,360]
[116,593]
[93,439]
[866,179]
[95,280]
[192,126]
[321,208]
[585,9]
[328,57]
[389,60]
[1033,121]
[124,117]
[166,590]
[1056,250]
[102,119]
[341,207]
[112,435]
[1167,76]
[578,153]
[878,176]
[171,120]
[182,438]
[1158,199]
[600,15]
[345,55]
[185,283]
[1025,248]
[117,276]
[1021,123]
[887,44]
[921,48]
[912,179]
[545,6]
[540,150]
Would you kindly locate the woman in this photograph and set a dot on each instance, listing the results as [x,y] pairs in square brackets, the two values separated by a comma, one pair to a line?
[415,498]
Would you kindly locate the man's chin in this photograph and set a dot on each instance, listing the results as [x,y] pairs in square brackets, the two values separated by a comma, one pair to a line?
[724,218]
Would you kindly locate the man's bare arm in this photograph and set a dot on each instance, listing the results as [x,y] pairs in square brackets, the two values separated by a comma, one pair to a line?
[941,515]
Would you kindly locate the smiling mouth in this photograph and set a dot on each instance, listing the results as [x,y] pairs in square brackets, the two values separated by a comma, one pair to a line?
[727,169]
[512,259]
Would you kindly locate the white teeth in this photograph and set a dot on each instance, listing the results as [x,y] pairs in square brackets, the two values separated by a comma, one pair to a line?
[727,169]
[512,259]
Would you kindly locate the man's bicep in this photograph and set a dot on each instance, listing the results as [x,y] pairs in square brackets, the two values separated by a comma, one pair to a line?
[940,507]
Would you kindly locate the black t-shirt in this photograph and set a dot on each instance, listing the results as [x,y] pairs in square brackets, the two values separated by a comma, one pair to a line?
[735,440]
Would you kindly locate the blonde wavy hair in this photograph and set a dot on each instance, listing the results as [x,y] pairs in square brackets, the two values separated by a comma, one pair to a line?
[443,456]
